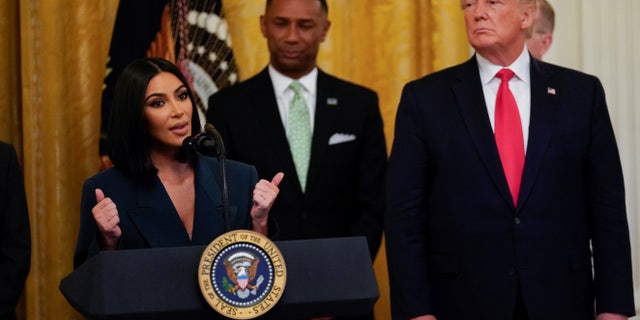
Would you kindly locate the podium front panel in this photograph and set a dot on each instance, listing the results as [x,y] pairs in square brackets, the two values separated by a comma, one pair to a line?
[325,277]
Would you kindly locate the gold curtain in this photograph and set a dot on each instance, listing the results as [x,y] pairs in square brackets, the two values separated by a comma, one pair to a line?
[50,110]
[51,86]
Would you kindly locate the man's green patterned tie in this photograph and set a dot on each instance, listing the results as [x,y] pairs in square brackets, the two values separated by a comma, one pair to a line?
[299,133]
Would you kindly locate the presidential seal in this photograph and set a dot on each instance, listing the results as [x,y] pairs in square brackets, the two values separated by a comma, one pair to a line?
[242,274]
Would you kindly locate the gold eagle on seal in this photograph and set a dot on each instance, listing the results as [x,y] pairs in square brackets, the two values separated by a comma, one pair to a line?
[241,269]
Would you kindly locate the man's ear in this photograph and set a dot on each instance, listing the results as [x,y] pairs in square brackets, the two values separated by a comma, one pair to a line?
[547,40]
[263,25]
[528,16]
[325,30]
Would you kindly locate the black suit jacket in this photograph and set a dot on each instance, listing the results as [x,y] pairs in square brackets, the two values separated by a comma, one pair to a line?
[15,236]
[148,218]
[345,184]
[456,245]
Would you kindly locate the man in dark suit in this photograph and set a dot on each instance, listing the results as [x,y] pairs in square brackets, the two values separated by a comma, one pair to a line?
[15,235]
[343,194]
[478,229]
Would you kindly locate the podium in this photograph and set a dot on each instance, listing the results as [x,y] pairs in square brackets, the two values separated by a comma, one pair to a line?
[325,277]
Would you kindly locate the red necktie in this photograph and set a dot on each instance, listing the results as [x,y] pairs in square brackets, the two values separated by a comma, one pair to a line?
[508,133]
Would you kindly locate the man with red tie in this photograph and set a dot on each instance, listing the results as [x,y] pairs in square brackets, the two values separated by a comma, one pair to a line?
[505,189]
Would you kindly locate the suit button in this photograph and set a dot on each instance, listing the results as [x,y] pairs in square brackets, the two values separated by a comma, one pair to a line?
[512,272]
[516,220]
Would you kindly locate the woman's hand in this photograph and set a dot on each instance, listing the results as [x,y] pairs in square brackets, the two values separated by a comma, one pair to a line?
[264,194]
[106,215]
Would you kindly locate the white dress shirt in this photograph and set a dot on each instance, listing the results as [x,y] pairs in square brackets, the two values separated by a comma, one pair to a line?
[520,86]
[284,94]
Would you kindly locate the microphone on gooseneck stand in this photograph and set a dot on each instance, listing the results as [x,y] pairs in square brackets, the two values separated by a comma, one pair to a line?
[211,131]
[201,144]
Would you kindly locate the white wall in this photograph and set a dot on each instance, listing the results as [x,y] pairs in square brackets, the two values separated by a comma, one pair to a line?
[602,38]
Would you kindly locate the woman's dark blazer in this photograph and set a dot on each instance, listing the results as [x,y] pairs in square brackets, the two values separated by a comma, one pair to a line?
[148,218]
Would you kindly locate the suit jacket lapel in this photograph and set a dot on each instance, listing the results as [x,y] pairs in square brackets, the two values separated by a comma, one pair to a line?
[265,109]
[544,106]
[267,113]
[156,218]
[323,124]
[468,92]
[208,220]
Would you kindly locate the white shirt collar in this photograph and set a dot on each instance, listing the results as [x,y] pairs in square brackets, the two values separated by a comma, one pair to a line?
[520,67]
[281,82]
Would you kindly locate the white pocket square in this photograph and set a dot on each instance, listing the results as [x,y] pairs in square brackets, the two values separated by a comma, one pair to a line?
[341,138]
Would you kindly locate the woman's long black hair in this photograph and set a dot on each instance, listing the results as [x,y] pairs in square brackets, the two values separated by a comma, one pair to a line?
[128,139]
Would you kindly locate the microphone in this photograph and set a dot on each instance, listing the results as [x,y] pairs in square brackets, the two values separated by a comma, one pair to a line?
[209,143]
[217,137]
[201,144]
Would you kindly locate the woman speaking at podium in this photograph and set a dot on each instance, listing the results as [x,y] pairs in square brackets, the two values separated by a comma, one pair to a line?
[158,194]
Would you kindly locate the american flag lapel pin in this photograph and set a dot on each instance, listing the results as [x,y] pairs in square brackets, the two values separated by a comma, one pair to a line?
[332,101]
[551,91]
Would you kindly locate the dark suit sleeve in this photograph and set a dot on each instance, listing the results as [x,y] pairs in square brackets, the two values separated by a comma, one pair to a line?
[371,177]
[87,244]
[15,237]
[405,220]
[610,232]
